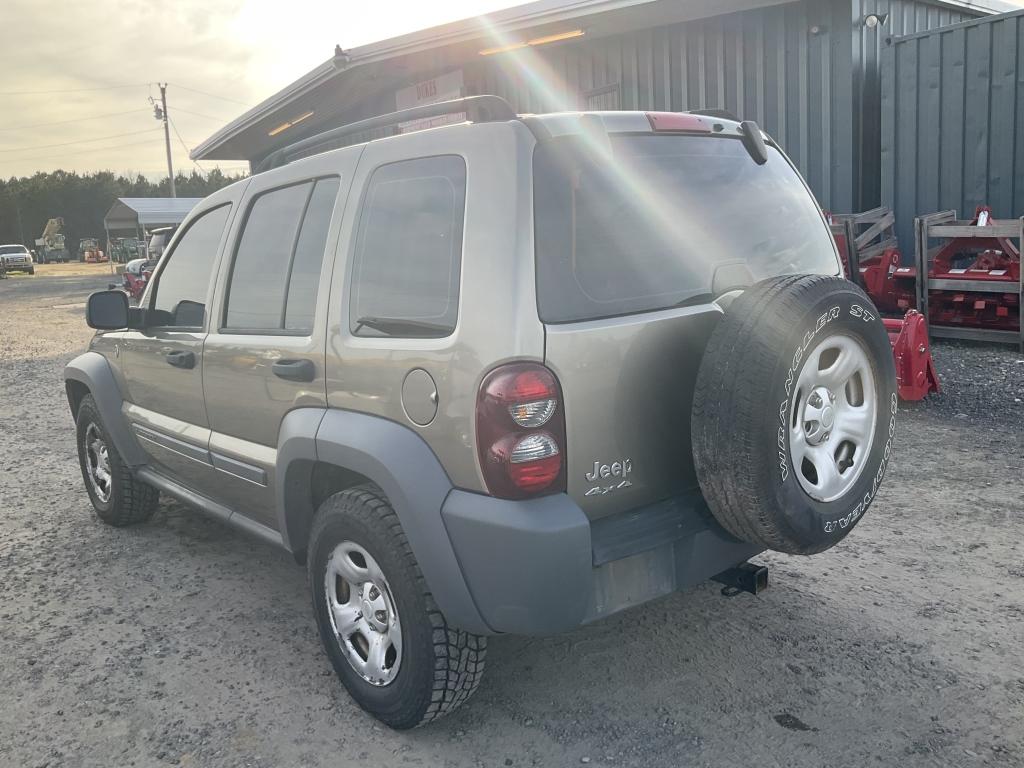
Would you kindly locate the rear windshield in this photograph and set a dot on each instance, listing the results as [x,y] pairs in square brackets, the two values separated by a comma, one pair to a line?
[636,223]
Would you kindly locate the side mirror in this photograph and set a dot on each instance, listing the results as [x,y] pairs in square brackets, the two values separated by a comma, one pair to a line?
[107,310]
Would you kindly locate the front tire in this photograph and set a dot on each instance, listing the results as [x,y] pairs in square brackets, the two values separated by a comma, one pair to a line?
[384,634]
[118,498]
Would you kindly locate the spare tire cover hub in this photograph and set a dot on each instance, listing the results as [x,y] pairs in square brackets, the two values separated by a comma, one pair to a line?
[834,413]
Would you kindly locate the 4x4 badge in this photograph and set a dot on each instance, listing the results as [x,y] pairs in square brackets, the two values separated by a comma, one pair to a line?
[606,489]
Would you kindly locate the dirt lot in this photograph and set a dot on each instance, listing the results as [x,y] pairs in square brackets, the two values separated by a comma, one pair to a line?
[77,269]
[180,642]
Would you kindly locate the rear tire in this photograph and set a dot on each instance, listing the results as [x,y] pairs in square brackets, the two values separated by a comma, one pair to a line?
[118,498]
[429,668]
[794,413]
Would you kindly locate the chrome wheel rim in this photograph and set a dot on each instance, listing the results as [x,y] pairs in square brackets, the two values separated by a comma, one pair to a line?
[363,614]
[833,416]
[97,460]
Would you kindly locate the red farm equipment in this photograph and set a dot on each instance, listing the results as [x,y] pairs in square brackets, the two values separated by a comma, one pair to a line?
[871,258]
[971,283]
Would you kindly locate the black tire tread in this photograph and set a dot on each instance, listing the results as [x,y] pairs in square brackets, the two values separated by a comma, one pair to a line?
[458,656]
[723,439]
[133,501]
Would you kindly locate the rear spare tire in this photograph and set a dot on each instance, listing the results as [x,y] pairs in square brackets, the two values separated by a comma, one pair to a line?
[794,413]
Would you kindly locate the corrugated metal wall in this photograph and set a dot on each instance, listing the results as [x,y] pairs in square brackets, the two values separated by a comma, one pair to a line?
[785,66]
[905,17]
[806,71]
[953,121]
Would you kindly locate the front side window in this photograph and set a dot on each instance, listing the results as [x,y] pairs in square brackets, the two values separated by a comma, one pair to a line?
[408,252]
[181,288]
[276,269]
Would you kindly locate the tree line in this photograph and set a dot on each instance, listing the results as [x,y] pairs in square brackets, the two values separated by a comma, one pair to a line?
[82,200]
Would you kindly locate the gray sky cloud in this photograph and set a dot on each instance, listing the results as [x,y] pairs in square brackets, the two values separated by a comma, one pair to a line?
[236,51]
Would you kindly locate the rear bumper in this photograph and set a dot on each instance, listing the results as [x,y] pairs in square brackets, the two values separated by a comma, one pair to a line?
[541,567]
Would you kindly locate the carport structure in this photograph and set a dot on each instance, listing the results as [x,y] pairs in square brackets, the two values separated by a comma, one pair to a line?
[140,214]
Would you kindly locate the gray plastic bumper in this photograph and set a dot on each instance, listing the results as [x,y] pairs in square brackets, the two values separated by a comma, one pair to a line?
[540,567]
[528,564]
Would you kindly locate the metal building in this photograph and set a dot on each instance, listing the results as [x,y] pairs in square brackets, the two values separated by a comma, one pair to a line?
[953,121]
[807,71]
[135,217]
[137,214]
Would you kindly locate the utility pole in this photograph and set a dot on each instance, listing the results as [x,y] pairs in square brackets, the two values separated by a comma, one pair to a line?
[161,114]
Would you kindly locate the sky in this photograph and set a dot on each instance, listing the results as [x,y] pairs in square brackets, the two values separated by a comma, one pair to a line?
[76,78]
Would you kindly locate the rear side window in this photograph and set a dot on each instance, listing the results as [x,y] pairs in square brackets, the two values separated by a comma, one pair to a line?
[408,252]
[183,283]
[649,222]
[300,301]
[276,269]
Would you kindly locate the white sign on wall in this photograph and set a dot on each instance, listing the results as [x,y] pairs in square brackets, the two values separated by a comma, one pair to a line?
[441,88]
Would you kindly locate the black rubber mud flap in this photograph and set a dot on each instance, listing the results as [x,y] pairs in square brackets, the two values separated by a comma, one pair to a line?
[768,415]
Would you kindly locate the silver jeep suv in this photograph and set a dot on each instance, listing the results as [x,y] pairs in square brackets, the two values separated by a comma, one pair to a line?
[506,376]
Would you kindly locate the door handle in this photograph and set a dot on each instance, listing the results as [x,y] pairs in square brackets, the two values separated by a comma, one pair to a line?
[181,359]
[295,370]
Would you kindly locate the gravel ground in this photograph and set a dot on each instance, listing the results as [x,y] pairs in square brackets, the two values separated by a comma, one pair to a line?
[180,642]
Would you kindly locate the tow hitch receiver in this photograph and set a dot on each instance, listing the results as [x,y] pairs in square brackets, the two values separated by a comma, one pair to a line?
[745,577]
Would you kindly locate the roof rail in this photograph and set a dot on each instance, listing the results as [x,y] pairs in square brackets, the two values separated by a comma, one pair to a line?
[479,109]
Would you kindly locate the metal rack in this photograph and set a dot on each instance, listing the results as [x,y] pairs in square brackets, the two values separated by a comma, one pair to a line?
[946,225]
[866,235]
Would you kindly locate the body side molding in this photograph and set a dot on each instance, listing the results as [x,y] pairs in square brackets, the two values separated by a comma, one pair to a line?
[208,506]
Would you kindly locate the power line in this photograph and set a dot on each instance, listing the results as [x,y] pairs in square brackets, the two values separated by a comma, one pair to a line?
[83,151]
[199,114]
[188,152]
[211,95]
[124,85]
[73,120]
[74,90]
[79,141]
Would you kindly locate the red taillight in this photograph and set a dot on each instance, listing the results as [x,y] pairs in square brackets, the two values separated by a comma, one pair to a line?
[520,431]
